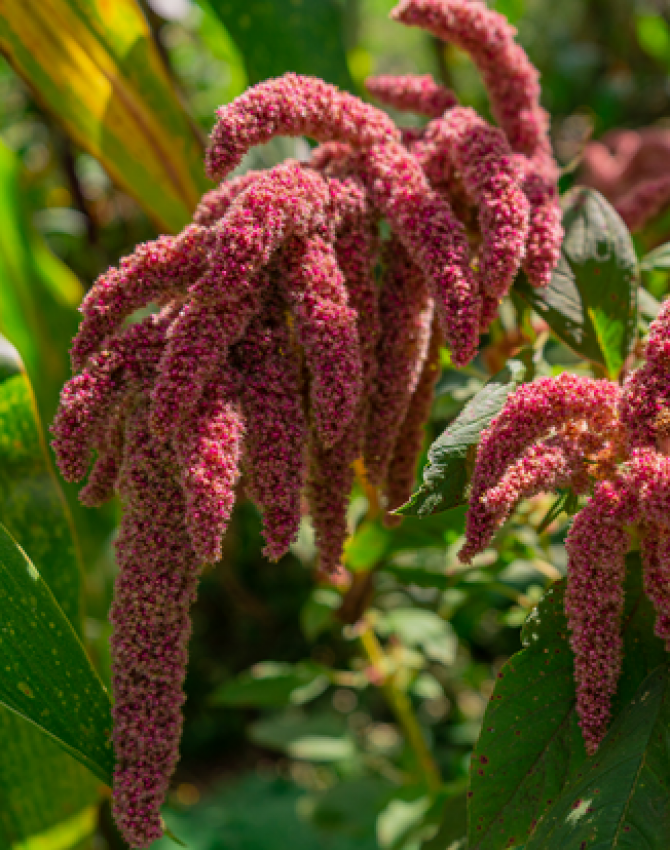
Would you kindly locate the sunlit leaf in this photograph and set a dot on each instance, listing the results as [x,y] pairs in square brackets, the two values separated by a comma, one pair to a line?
[591,301]
[282,35]
[94,66]
[657,260]
[319,738]
[530,746]
[447,473]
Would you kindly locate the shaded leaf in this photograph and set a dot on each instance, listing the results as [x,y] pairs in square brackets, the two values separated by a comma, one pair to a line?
[317,614]
[416,627]
[94,66]
[447,473]
[453,825]
[350,807]
[530,746]
[47,677]
[320,738]
[272,684]
[591,300]
[280,36]
[620,796]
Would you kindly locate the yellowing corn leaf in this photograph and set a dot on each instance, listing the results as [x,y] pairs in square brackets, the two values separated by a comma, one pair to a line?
[93,64]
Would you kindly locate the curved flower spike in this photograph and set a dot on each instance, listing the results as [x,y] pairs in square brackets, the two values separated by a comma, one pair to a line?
[87,399]
[648,472]
[155,271]
[494,180]
[287,201]
[412,93]
[514,91]
[643,202]
[216,203]
[155,586]
[274,455]
[406,310]
[532,412]
[594,598]
[326,327]
[209,452]
[401,475]
[105,471]
[655,547]
[543,467]
[434,239]
[292,105]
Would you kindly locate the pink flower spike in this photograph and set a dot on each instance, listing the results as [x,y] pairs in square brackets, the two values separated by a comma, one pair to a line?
[216,203]
[401,476]
[329,483]
[655,547]
[154,589]
[292,106]
[103,476]
[434,239]
[210,451]
[327,329]
[594,600]
[511,80]
[87,398]
[493,179]
[412,93]
[406,311]
[545,232]
[154,271]
[275,446]
[644,201]
[543,467]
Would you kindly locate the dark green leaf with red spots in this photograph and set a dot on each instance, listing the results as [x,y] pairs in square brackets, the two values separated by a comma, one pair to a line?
[530,746]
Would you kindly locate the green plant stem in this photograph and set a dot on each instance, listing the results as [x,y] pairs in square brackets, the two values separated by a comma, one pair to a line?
[400,705]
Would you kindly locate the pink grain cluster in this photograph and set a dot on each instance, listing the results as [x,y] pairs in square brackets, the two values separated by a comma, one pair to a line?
[286,345]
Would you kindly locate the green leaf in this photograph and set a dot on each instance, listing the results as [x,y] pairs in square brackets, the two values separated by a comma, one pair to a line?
[530,745]
[591,301]
[649,306]
[40,294]
[453,825]
[93,65]
[272,684]
[657,260]
[46,676]
[620,797]
[416,627]
[47,796]
[349,807]
[446,476]
[320,738]
[282,35]
[317,614]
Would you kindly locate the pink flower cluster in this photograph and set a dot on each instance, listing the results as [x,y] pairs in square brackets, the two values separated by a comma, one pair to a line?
[592,436]
[276,354]
[630,168]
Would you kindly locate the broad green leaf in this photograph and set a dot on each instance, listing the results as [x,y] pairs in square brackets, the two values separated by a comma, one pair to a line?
[94,66]
[46,795]
[273,684]
[591,301]
[453,825]
[320,738]
[282,35]
[46,676]
[649,306]
[530,746]
[620,797]
[657,260]
[447,473]
[40,294]
[349,807]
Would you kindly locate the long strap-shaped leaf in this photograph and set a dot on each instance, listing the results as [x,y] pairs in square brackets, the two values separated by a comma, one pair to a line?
[94,66]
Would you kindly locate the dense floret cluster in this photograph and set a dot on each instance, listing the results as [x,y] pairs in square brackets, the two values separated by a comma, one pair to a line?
[289,340]
[590,435]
